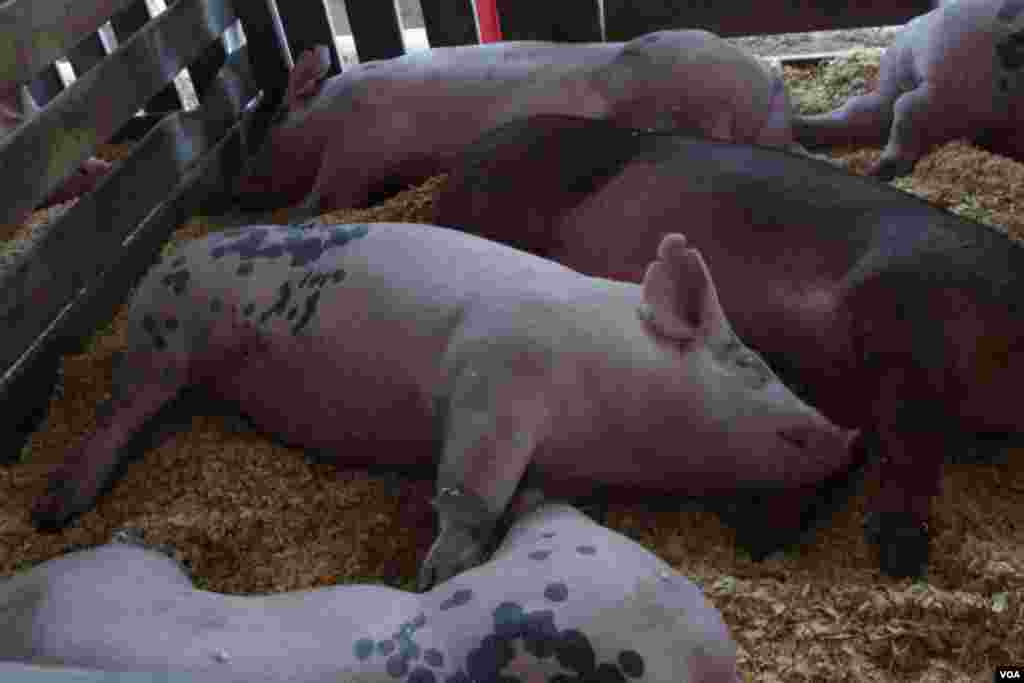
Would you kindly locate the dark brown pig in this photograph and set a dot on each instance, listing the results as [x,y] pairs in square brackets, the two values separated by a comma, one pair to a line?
[880,309]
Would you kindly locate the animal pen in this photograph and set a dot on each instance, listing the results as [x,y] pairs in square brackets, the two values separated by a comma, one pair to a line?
[78,270]
[71,280]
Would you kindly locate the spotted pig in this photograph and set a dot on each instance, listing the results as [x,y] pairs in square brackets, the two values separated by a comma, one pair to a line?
[562,599]
[492,357]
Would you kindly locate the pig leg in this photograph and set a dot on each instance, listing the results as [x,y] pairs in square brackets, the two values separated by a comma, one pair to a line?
[144,382]
[863,120]
[911,474]
[494,425]
[919,123]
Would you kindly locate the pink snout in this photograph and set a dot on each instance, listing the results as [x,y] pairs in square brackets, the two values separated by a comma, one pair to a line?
[824,449]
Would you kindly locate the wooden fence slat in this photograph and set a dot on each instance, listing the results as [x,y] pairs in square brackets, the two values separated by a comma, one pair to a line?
[375,29]
[126,23]
[449,22]
[46,85]
[87,54]
[269,63]
[627,19]
[87,240]
[576,21]
[40,154]
[205,69]
[307,23]
[34,34]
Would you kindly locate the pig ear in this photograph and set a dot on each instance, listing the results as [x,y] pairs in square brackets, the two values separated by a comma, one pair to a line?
[305,78]
[680,300]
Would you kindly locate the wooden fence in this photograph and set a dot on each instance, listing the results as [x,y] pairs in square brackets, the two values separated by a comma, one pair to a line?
[73,278]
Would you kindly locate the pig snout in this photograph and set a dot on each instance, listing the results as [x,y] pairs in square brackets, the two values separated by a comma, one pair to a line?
[825,438]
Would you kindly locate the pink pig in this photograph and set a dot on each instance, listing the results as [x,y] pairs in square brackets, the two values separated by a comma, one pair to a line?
[384,125]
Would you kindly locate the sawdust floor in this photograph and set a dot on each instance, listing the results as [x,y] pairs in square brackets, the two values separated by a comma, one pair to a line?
[251,516]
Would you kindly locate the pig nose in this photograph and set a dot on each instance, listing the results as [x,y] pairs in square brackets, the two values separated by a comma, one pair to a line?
[819,438]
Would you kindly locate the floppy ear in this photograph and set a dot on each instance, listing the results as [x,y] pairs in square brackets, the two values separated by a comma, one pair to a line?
[307,75]
[680,300]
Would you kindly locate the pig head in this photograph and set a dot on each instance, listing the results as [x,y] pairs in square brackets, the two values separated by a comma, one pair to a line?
[384,125]
[491,357]
[955,72]
[881,310]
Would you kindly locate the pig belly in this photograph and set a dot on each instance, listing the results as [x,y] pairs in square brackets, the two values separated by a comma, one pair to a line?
[317,396]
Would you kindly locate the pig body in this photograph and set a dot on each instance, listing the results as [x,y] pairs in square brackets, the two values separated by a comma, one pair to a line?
[561,595]
[331,335]
[388,124]
[955,72]
[881,310]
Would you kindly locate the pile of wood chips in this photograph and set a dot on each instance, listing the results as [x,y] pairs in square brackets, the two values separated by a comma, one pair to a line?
[251,516]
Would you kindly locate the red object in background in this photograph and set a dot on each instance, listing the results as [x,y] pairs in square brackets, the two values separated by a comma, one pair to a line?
[487,15]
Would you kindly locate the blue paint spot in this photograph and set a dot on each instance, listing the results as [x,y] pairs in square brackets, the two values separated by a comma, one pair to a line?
[458,598]
[631,663]
[397,666]
[575,652]
[608,673]
[539,554]
[304,247]
[556,592]
[422,675]
[586,549]
[363,648]
[507,618]
[433,657]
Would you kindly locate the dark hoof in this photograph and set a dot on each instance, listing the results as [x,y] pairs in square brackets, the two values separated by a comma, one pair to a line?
[52,512]
[902,543]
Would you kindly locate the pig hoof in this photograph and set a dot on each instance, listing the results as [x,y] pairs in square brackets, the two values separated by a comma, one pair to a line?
[902,543]
[888,169]
[454,551]
[53,511]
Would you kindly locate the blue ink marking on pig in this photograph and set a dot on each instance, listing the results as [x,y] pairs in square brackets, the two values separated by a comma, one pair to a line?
[631,663]
[586,549]
[363,648]
[303,247]
[284,296]
[539,554]
[458,598]
[149,325]
[177,281]
[434,658]
[542,639]
[422,675]
[556,592]
[1011,51]
[1010,9]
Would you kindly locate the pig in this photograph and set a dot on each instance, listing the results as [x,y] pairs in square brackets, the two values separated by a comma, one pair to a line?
[562,595]
[496,357]
[383,125]
[886,313]
[18,105]
[951,73]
